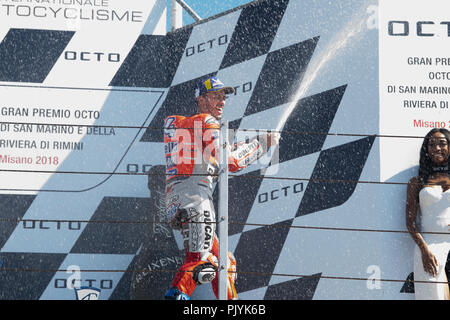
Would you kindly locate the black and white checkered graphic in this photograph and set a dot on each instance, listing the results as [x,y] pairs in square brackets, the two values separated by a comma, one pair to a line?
[298,289]
[243,193]
[280,73]
[13,208]
[239,49]
[25,276]
[153,61]
[28,55]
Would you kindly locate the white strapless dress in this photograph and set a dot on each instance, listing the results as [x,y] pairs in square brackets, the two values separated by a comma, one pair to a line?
[435,217]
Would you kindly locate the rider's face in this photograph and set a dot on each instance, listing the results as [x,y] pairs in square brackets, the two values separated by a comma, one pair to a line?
[213,103]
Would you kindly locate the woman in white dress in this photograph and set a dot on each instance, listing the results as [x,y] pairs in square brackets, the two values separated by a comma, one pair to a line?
[430,191]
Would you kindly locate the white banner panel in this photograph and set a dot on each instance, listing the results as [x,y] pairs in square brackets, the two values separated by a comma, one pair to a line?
[414,78]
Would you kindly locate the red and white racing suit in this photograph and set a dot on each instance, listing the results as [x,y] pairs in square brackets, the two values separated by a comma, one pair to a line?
[191,145]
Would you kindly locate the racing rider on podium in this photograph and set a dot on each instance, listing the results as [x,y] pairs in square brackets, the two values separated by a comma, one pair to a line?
[191,151]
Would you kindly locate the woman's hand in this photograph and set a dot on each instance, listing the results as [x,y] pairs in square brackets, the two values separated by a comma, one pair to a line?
[429,261]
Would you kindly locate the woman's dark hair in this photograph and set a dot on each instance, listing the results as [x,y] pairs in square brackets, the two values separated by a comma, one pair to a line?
[426,166]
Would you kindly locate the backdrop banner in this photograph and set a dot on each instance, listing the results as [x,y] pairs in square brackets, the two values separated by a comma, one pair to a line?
[85,86]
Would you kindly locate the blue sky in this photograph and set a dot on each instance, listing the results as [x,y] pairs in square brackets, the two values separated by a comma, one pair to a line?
[206,8]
